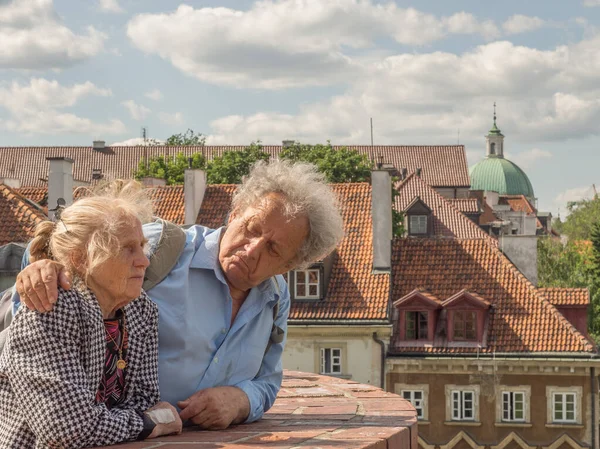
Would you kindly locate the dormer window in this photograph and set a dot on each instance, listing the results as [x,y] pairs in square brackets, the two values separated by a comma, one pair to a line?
[418,218]
[467,313]
[418,225]
[307,284]
[417,325]
[465,325]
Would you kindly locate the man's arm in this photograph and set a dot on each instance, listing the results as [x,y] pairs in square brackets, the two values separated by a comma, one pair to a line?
[219,407]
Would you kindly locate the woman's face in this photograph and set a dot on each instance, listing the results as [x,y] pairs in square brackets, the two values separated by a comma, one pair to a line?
[119,280]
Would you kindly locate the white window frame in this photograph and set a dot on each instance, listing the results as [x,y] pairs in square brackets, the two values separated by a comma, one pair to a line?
[400,389]
[510,399]
[419,224]
[526,391]
[333,363]
[564,399]
[458,415]
[553,392]
[417,402]
[307,284]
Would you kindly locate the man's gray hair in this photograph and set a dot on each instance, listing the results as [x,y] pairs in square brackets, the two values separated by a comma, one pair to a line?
[306,193]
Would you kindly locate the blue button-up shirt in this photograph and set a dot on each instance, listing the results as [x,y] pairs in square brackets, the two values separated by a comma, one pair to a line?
[198,346]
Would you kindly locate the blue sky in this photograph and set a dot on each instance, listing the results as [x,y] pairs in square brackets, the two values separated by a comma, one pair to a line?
[313,70]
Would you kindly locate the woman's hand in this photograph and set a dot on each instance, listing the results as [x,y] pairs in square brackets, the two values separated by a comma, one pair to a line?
[37,284]
[166,418]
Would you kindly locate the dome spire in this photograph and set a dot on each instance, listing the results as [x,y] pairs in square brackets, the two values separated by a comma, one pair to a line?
[495,140]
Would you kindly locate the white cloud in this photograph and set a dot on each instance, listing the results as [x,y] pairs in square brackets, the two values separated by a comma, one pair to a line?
[137,111]
[575,194]
[288,43]
[591,2]
[175,118]
[154,94]
[529,158]
[38,108]
[519,23]
[136,141]
[541,95]
[33,37]
[111,6]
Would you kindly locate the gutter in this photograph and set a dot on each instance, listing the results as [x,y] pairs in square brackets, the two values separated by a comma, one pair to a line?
[593,388]
[338,322]
[499,356]
[382,344]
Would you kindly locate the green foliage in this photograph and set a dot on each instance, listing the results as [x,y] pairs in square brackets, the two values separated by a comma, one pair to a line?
[233,165]
[186,139]
[169,169]
[581,219]
[341,165]
[397,216]
[575,265]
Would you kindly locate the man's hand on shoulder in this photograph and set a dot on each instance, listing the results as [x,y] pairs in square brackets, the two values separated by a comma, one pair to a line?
[216,408]
[37,285]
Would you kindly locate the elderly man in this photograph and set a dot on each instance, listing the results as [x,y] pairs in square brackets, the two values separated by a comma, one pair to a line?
[216,304]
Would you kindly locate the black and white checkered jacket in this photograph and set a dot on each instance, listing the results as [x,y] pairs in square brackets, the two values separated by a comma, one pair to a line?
[51,368]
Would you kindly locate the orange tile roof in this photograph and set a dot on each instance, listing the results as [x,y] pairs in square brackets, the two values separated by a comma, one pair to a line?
[518,203]
[440,165]
[216,205]
[566,296]
[168,203]
[19,217]
[466,205]
[448,220]
[522,320]
[354,292]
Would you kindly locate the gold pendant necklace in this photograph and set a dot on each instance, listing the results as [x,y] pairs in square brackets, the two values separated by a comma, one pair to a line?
[121,364]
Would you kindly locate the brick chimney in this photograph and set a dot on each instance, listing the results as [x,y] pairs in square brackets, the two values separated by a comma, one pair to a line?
[381,212]
[194,187]
[60,182]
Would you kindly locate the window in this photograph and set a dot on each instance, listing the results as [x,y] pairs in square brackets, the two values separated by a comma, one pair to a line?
[331,361]
[415,397]
[465,326]
[307,285]
[564,407]
[492,148]
[513,406]
[418,224]
[416,326]
[463,405]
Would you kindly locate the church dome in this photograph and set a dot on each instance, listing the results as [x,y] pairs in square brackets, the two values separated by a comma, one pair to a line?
[500,175]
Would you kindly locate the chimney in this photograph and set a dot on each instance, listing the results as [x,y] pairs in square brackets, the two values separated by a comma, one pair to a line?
[194,186]
[99,145]
[381,213]
[287,143]
[60,183]
[13,183]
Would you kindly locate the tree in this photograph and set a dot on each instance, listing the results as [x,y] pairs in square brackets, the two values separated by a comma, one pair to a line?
[581,219]
[574,265]
[187,138]
[233,165]
[170,169]
[341,165]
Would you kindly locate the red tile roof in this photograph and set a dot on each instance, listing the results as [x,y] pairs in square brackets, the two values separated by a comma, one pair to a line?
[566,296]
[354,292]
[19,217]
[466,205]
[216,205]
[518,203]
[522,320]
[168,203]
[448,220]
[440,165]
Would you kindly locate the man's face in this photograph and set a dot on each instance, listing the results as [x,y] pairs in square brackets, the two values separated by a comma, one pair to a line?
[260,243]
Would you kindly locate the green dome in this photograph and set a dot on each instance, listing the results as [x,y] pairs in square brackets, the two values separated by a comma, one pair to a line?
[500,175]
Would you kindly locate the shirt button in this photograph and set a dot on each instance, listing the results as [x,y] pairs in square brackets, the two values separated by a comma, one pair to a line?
[216,359]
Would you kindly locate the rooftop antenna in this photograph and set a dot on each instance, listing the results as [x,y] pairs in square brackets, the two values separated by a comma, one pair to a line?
[371,131]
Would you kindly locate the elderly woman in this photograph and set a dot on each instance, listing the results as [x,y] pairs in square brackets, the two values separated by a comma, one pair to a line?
[86,373]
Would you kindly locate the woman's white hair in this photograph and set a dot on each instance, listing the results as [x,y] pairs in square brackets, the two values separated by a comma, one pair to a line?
[306,193]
